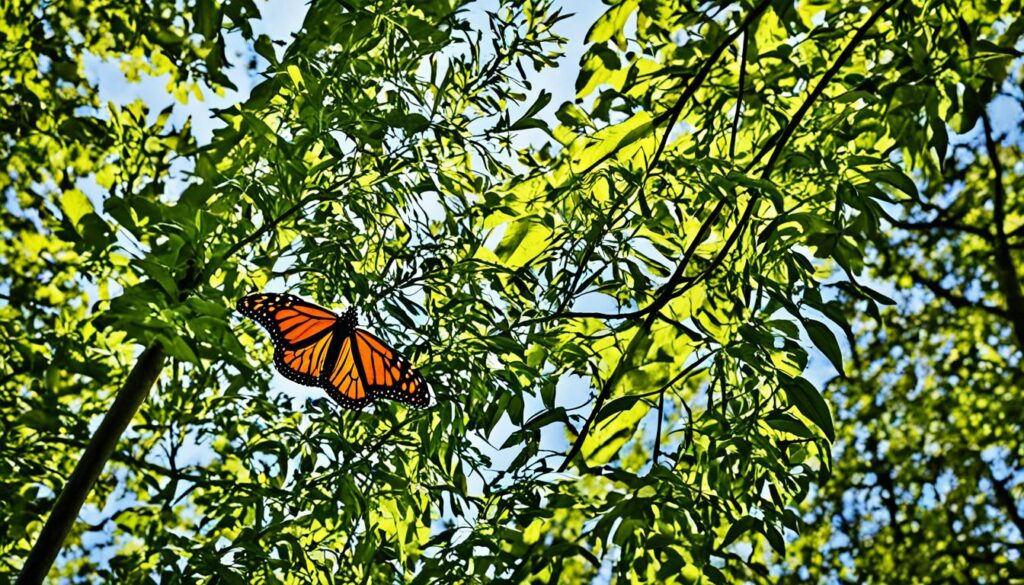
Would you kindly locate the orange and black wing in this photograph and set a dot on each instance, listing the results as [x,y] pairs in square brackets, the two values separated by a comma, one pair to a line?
[343,382]
[386,373]
[316,347]
[302,333]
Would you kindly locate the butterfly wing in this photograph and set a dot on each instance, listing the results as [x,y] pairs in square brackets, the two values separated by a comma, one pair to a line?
[354,369]
[344,383]
[386,373]
[302,333]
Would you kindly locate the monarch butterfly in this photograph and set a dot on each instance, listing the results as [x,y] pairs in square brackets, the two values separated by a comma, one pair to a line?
[315,347]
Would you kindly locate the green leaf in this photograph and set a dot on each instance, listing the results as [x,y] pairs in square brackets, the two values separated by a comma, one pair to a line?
[825,340]
[971,106]
[207,19]
[160,274]
[415,123]
[204,307]
[789,424]
[177,348]
[739,528]
[607,438]
[809,403]
[612,24]
[896,179]
[296,75]
[265,48]
[532,533]
[75,205]
[598,65]
[775,539]
[616,406]
[632,135]
[877,296]
[987,46]
[39,420]
[524,239]
[573,116]
[528,119]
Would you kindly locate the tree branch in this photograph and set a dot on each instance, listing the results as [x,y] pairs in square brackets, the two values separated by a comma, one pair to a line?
[778,145]
[1005,499]
[259,233]
[739,98]
[667,291]
[1006,270]
[942,223]
[657,433]
[677,110]
[957,301]
[101,446]
[819,89]
[783,138]
[883,473]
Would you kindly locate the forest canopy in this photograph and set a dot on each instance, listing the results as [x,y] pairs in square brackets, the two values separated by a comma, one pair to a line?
[704,292]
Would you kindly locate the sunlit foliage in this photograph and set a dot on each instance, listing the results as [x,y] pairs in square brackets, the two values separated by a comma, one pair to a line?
[626,303]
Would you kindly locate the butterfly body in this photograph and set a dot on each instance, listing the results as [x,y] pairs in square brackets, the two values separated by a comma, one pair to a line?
[316,347]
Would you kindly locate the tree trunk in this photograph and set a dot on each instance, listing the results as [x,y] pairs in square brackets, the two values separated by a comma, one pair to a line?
[129,398]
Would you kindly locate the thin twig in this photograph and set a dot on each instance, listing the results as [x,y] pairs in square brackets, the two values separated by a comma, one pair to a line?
[819,89]
[666,291]
[657,434]
[739,98]
[677,109]
[777,145]
[942,223]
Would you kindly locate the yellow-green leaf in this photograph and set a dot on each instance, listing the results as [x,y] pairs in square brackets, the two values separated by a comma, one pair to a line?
[612,24]
[609,436]
[524,239]
[75,205]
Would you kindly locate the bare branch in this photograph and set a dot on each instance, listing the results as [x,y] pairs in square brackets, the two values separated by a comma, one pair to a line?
[1006,269]
[942,223]
[1002,492]
[957,301]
